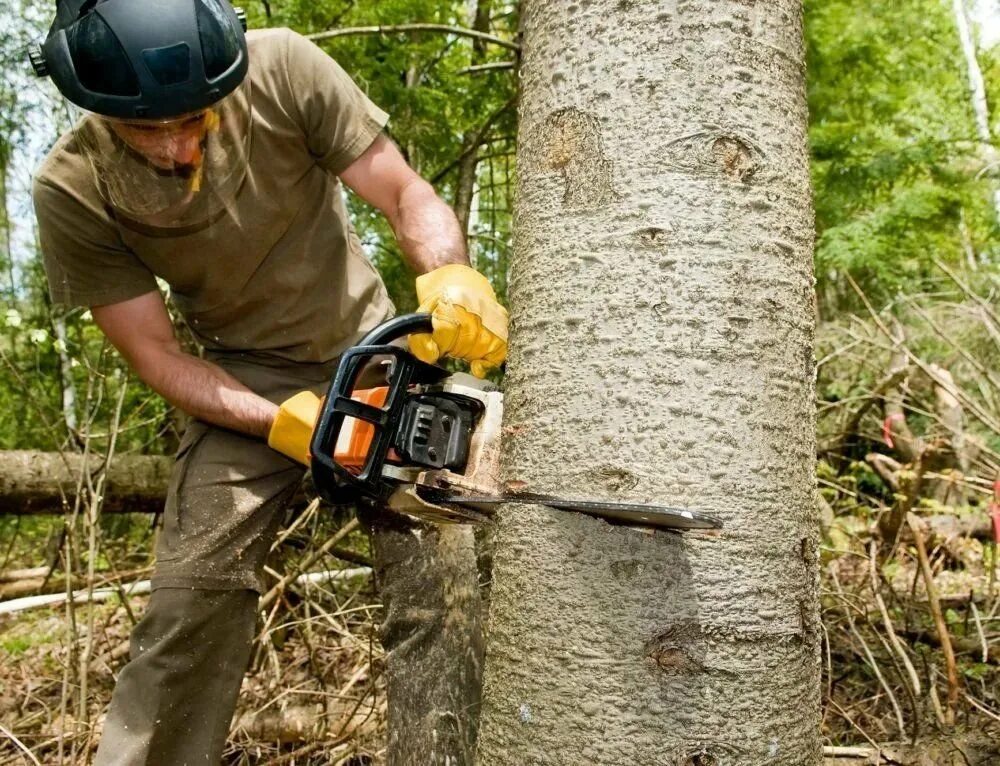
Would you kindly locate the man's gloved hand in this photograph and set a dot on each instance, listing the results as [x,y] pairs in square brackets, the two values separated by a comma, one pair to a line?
[469,324]
[293,426]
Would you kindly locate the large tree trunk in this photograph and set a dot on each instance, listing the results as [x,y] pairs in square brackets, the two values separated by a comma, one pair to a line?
[662,307]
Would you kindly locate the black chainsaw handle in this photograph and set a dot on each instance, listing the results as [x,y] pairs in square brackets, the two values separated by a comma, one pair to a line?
[398,327]
[336,483]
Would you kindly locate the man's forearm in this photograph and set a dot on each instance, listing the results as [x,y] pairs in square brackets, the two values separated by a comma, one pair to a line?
[207,392]
[427,229]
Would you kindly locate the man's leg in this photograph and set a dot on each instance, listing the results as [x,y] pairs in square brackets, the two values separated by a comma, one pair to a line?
[174,701]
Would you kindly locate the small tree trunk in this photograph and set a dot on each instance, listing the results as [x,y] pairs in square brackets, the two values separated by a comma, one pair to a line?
[662,314]
[66,376]
[977,94]
[469,162]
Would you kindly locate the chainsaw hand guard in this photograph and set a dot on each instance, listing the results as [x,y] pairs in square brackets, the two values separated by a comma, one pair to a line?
[427,429]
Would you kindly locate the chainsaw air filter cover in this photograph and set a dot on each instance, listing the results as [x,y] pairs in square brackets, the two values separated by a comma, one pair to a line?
[436,428]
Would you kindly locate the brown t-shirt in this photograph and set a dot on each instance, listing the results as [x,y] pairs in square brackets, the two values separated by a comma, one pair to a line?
[284,275]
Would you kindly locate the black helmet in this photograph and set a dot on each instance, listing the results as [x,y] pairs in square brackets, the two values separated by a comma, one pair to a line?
[144,59]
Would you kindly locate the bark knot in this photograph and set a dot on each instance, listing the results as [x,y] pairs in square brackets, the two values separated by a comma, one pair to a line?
[574,146]
[675,649]
[735,158]
[617,479]
[715,151]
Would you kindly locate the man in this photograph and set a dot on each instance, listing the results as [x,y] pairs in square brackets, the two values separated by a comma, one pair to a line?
[210,159]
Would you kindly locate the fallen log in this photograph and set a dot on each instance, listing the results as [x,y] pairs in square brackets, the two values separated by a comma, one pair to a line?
[45,482]
[17,575]
[34,483]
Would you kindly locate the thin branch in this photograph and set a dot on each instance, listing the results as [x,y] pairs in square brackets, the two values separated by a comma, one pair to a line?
[983,303]
[914,688]
[974,408]
[475,141]
[493,66]
[939,622]
[277,590]
[388,29]
[872,663]
[893,379]
[19,744]
[982,708]
[953,344]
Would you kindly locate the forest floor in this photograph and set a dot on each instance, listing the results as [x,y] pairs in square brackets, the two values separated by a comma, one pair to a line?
[313,695]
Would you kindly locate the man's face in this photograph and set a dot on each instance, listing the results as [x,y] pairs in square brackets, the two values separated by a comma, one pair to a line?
[175,145]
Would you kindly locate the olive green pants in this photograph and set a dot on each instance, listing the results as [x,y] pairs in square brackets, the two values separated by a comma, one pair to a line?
[174,701]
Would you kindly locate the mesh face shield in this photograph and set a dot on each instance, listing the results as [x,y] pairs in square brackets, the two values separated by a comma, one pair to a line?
[164,101]
[171,173]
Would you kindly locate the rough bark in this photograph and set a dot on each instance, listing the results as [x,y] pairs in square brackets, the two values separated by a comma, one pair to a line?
[433,641]
[662,315]
[46,482]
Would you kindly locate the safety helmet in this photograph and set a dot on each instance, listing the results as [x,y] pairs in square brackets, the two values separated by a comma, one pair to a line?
[164,94]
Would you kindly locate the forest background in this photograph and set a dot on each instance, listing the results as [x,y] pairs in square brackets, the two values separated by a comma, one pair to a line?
[903,100]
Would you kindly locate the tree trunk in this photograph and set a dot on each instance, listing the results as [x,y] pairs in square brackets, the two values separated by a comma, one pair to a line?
[662,305]
[469,161]
[977,93]
[66,376]
[46,482]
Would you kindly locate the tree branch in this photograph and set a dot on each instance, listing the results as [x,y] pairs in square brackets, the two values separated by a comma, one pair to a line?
[940,624]
[475,141]
[388,29]
[493,66]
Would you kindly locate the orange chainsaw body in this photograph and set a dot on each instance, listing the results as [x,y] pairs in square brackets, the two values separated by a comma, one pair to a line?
[355,440]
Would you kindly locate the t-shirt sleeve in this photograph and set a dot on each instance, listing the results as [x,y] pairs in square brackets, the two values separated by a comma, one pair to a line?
[339,120]
[85,260]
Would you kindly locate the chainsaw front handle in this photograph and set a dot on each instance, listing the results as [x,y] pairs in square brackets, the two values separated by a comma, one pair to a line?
[396,328]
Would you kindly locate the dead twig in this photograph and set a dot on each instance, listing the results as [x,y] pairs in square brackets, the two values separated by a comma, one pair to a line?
[938,615]
[913,688]
[279,588]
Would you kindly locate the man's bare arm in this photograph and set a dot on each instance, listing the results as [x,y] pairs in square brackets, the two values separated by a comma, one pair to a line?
[141,331]
[425,227]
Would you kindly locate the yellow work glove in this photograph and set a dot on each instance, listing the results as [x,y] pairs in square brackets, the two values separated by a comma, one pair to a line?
[293,426]
[468,322]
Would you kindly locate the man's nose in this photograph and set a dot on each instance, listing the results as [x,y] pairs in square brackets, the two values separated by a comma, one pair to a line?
[185,149]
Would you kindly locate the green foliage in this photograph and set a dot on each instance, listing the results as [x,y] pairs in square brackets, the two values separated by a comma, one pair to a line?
[417,77]
[895,152]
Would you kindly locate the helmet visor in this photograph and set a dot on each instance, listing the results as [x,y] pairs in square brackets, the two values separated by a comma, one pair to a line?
[174,172]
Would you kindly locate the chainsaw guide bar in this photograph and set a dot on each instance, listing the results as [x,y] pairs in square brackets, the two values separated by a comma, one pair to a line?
[638,514]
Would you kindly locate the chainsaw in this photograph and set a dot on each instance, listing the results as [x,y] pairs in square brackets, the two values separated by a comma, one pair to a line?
[425,442]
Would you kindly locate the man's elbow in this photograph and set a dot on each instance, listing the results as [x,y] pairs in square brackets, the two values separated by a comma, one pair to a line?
[154,361]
